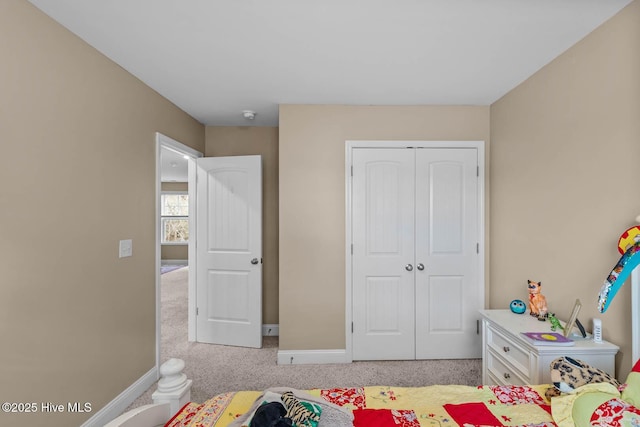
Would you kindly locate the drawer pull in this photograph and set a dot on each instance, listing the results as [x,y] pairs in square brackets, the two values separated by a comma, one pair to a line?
[506,349]
[506,376]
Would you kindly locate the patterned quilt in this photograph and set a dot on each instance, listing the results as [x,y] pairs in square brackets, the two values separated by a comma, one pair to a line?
[615,413]
[439,405]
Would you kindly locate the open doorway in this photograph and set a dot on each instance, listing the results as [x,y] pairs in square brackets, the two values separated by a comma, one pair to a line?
[175,214]
[174,210]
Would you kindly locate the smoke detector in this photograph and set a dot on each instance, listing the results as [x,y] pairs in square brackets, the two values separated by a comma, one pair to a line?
[249,115]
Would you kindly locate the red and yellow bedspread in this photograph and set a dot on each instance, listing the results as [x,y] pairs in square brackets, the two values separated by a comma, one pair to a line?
[382,406]
[448,405]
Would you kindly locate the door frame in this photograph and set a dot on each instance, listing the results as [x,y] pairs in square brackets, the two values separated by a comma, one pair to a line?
[163,141]
[349,147]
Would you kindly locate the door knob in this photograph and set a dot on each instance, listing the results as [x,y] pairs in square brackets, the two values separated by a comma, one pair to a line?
[254,261]
[420,266]
[408,267]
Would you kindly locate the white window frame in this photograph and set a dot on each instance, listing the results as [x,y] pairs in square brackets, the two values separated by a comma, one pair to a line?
[163,217]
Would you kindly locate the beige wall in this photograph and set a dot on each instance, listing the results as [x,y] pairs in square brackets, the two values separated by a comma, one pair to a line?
[244,141]
[78,149]
[174,252]
[312,202]
[565,150]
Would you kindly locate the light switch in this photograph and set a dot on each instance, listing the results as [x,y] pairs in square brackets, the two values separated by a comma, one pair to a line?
[126,248]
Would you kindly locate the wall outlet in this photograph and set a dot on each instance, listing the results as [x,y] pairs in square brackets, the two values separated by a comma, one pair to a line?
[126,248]
[597,330]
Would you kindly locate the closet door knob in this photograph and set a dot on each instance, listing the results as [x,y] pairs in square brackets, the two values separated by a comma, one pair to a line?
[420,266]
[408,267]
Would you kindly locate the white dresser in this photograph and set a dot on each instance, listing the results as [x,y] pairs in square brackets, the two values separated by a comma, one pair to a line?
[508,358]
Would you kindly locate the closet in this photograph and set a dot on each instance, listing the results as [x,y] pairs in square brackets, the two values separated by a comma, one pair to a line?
[415,256]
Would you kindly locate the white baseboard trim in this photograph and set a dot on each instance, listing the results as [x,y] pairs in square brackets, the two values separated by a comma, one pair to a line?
[271,330]
[174,261]
[118,405]
[302,357]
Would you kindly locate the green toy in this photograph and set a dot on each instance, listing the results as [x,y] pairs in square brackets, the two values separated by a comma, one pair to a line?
[555,323]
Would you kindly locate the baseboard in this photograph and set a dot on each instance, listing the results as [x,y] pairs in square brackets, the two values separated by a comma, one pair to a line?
[271,330]
[118,405]
[174,262]
[302,357]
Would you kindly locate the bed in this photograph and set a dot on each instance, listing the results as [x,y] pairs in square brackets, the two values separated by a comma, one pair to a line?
[594,404]
[438,405]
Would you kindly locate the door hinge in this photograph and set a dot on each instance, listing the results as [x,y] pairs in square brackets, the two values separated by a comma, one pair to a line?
[352,249]
[352,170]
[478,327]
[351,327]
[197,311]
[477,248]
[477,170]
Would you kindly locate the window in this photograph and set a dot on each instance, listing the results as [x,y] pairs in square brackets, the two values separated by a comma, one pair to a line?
[174,220]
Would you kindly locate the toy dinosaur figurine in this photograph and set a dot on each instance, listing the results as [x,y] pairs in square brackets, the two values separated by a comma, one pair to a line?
[555,323]
[537,301]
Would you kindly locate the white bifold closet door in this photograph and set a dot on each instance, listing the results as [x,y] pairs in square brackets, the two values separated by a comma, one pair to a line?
[415,253]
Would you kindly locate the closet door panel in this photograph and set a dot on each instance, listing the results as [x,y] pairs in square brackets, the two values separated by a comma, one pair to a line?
[383,236]
[446,206]
[444,310]
[447,299]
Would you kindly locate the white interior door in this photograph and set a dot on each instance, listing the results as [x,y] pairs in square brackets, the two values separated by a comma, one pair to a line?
[415,274]
[229,251]
[447,299]
[383,254]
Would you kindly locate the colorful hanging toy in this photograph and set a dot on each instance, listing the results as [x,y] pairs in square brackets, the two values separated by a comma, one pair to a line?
[629,247]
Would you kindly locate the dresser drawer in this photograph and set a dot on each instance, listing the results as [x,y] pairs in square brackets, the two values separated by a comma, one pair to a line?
[501,372]
[514,356]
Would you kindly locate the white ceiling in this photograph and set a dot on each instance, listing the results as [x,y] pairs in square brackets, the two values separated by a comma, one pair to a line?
[173,166]
[216,58]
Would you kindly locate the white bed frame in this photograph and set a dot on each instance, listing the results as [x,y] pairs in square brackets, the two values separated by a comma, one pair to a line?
[174,389]
[153,415]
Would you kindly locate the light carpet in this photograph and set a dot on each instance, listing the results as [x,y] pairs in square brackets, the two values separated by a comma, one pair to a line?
[217,369]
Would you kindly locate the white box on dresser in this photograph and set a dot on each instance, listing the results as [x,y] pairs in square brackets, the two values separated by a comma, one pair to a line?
[508,358]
